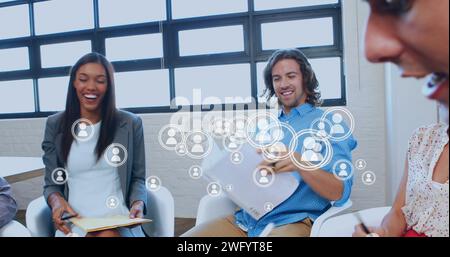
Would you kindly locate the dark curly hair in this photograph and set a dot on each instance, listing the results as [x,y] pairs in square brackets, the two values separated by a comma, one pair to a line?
[310,83]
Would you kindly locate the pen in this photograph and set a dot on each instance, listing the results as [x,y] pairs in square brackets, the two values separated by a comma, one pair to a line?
[364,227]
[67,217]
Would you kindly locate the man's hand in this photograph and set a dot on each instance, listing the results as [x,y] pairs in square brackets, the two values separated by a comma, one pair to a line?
[278,166]
[137,210]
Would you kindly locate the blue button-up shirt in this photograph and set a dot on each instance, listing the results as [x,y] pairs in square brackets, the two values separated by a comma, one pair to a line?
[304,202]
[8,206]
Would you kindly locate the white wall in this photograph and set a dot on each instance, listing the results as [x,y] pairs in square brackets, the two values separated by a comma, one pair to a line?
[407,109]
[380,111]
[366,101]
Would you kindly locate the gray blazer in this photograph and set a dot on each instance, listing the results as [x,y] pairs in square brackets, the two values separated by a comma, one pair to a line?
[8,206]
[130,134]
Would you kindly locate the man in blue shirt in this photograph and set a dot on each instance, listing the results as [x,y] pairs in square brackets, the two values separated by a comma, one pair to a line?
[289,77]
[8,206]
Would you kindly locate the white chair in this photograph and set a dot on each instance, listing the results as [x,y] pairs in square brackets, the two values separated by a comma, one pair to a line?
[14,229]
[333,211]
[213,207]
[343,225]
[160,210]
[38,218]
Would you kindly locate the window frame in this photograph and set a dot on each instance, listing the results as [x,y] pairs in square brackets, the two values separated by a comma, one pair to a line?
[252,54]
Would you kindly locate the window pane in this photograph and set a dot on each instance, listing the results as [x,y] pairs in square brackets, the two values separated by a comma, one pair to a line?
[271,4]
[16,96]
[53,93]
[17,15]
[134,47]
[299,33]
[260,80]
[328,73]
[14,59]
[195,8]
[142,88]
[65,54]
[63,15]
[113,13]
[211,40]
[213,84]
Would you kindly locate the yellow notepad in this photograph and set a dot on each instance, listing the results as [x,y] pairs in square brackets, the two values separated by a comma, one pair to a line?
[99,224]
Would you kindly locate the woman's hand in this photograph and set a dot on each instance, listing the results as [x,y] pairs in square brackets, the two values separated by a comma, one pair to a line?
[59,207]
[359,232]
[137,210]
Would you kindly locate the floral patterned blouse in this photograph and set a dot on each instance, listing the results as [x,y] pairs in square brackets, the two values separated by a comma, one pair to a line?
[427,202]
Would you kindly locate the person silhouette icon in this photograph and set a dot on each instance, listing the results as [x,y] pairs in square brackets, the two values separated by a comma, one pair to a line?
[263,180]
[214,189]
[240,130]
[181,149]
[233,142]
[268,206]
[317,157]
[115,158]
[361,164]
[153,183]
[308,145]
[343,170]
[171,140]
[337,127]
[82,130]
[226,127]
[321,127]
[197,148]
[262,135]
[313,149]
[218,127]
[236,158]
[112,203]
[59,176]
[368,178]
[196,172]
[229,187]
[279,149]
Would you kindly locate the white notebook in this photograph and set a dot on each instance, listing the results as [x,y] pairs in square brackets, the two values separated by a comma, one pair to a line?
[245,191]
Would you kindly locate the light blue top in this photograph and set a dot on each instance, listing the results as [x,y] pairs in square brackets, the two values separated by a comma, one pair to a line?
[304,202]
[93,183]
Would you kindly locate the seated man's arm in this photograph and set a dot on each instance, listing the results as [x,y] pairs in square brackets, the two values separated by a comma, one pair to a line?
[8,206]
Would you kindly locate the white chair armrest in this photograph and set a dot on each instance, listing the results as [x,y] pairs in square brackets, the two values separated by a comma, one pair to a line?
[332,211]
[161,211]
[39,219]
[14,229]
[214,207]
[343,225]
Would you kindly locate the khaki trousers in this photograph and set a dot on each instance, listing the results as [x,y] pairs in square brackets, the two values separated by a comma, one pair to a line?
[225,227]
